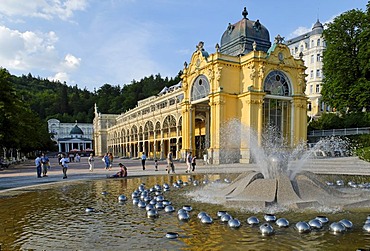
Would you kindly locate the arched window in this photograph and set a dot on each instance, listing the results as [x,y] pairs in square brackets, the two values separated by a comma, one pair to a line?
[277,83]
[200,88]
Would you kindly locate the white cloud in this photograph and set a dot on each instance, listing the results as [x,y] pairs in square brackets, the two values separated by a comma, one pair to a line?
[299,31]
[61,77]
[33,52]
[46,9]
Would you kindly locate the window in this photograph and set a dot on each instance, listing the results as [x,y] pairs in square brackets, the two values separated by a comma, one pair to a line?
[317,73]
[317,88]
[200,88]
[295,49]
[309,108]
[311,74]
[312,43]
[277,83]
[312,59]
[305,45]
[318,57]
[301,47]
[318,42]
[311,89]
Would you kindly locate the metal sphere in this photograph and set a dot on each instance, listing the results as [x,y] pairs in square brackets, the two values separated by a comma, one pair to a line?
[366,227]
[234,223]
[135,201]
[172,235]
[152,213]
[165,186]
[166,189]
[122,198]
[89,210]
[159,198]
[159,205]
[157,187]
[282,222]
[347,223]
[141,188]
[141,204]
[315,224]
[181,210]
[323,219]
[201,214]
[337,227]
[104,193]
[153,202]
[220,213]
[227,180]
[158,193]
[180,182]
[205,182]
[270,217]
[303,227]
[187,208]
[340,183]
[184,216]
[169,209]
[166,202]
[253,220]
[185,183]
[206,219]
[135,194]
[176,185]
[147,199]
[195,183]
[266,229]
[367,221]
[368,217]
[226,217]
[149,207]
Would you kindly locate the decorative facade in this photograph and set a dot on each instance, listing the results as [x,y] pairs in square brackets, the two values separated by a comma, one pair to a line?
[70,136]
[246,79]
[310,47]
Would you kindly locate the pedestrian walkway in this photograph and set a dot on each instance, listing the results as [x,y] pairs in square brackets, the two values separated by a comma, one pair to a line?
[24,175]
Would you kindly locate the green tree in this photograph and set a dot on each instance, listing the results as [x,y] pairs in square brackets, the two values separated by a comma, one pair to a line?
[346,87]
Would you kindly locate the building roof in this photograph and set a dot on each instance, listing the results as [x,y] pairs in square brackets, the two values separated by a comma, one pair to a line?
[238,38]
[76,130]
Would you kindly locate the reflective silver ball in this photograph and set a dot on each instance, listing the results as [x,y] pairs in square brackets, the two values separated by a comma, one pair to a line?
[89,210]
[226,217]
[104,193]
[315,224]
[135,195]
[303,227]
[323,219]
[184,216]
[366,227]
[180,182]
[135,201]
[165,185]
[149,207]
[166,202]
[220,213]
[253,220]
[172,235]
[367,221]
[234,223]
[159,198]
[347,223]
[340,183]
[152,213]
[157,187]
[266,229]
[337,227]
[270,217]
[206,219]
[169,209]
[195,183]
[141,188]
[147,199]
[282,222]
[141,204]
[153,202]
[181,210]
[159,205]
[187,208]
[201,214]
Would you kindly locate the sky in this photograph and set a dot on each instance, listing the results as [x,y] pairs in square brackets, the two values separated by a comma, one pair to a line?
[89,43]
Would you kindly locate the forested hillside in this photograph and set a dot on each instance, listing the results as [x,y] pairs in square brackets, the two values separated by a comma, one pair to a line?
[27,102]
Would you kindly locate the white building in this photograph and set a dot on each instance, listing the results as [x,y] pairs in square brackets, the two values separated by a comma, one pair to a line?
[310,47]
[72,137]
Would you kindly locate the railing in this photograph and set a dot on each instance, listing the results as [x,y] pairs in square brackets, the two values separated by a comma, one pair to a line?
[339,132]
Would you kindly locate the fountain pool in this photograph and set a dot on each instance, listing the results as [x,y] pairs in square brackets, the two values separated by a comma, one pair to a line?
[55,218]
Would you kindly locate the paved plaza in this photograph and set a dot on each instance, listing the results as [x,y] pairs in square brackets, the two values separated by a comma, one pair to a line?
[18,177]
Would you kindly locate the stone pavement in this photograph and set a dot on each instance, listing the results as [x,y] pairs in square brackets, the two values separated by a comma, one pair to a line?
[24,174]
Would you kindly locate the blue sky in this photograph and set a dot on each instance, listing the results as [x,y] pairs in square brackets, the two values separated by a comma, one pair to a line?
[92,42]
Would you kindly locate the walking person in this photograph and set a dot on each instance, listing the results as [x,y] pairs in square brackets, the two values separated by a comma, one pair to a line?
[45,164]
[90,160]
[110,161]
[188,162]
[156,164]
[170,165]
[64,161]
[38,166]
[143,159]
[106,161]
[193,163]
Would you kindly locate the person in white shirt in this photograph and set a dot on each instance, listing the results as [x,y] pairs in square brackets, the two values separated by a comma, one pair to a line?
[64,161]
[91,162]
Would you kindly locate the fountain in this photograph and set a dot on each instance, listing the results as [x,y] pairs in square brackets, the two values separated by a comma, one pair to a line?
[280,179]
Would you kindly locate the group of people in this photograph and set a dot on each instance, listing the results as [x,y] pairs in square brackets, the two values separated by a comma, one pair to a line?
[42,163]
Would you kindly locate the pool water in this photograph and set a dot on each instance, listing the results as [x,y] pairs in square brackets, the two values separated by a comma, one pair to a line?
[55,218]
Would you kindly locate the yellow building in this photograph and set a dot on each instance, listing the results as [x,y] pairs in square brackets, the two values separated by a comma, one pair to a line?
[246,79]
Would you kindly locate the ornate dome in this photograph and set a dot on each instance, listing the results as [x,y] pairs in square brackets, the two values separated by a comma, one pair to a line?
[245,36]
[76,130]
[317,28]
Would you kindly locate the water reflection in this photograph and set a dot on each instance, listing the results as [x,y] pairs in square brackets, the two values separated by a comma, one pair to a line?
[55,219]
